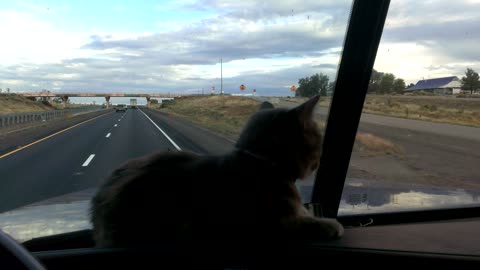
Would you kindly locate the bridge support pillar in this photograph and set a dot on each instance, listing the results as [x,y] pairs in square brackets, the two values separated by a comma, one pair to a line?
[148,102]
[107,99]
[65,101]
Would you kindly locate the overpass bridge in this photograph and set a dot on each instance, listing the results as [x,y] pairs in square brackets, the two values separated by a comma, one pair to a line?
[65,96]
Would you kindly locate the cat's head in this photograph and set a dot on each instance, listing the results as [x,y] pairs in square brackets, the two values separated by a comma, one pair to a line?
[288,138]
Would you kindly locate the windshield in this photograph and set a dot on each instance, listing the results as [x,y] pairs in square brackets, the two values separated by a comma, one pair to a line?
[88,85]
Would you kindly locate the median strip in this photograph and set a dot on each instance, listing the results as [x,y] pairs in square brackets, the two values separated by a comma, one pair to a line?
[89,159]
[163,132]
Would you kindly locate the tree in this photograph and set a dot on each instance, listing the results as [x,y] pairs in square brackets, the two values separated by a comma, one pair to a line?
[386,84]
[374,84]
[331,88]
[470,81]
[313,85]
[398,85]
[410,85]
[58,100]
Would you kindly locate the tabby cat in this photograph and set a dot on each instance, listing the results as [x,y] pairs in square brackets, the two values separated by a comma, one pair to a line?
[248,194]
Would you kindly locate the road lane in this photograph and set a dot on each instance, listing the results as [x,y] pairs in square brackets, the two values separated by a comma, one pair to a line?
[56,166]
[41,170]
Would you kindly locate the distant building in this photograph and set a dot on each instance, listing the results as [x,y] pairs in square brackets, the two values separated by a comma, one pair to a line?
[444,86]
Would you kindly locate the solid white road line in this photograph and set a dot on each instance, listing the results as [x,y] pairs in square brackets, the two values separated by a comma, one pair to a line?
[163,132]
[108,135]
[89,159]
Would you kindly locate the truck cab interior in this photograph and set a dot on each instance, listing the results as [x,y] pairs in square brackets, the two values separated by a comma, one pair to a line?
[446,238]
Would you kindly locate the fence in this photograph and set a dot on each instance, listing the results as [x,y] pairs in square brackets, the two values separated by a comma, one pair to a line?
[13,119]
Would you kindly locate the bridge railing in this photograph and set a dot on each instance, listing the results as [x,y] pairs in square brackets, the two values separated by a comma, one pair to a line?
[16,119]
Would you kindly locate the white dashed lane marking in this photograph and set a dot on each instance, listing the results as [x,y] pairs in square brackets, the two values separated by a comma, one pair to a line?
[89,159]
[108,135]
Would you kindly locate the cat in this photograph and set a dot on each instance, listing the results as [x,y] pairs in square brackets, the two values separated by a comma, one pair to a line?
[246,195]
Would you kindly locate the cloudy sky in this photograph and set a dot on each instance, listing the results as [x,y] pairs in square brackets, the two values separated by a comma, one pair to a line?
[176,46]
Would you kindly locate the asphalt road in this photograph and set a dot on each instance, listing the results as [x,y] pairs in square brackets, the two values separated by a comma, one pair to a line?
[80,157]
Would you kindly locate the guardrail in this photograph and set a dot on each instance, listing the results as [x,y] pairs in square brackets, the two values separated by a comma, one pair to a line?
[14,119]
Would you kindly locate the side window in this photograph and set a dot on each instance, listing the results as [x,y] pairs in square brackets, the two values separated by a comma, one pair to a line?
[418,141]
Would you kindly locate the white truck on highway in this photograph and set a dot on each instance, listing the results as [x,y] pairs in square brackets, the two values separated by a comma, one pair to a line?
[133,103]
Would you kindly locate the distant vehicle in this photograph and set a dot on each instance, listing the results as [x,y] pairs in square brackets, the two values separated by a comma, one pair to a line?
[120,108]
[133,103]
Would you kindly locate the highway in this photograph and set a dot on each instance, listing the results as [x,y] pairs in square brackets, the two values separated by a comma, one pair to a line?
[81,157]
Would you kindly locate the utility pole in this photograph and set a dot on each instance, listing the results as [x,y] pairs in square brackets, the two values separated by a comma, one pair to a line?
[221,76]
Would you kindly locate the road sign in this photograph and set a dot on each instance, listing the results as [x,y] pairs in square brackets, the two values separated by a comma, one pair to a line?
[293,88]
[242,87]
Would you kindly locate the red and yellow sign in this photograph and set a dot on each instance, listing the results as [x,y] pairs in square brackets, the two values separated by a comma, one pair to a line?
[242,87]
[293,88]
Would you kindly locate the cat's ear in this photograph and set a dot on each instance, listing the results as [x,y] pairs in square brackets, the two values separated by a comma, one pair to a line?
[266,105]
[305,110]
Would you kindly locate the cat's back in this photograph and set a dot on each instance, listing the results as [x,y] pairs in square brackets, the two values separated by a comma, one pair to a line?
[145,188]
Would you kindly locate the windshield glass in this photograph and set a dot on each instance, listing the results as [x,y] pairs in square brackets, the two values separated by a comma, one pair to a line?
[88,85]
[418,142]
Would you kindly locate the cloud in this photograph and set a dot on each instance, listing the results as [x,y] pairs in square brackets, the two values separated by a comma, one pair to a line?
[267,46]
[425,39]
[229,38]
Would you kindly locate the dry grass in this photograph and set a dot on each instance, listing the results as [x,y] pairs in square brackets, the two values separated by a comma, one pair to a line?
[442,109]
[228,114]
[323,102]
[224,114]
[373,145]
[429,108]
[11,103]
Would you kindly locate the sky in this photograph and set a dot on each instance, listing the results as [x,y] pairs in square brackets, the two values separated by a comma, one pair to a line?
[176,46]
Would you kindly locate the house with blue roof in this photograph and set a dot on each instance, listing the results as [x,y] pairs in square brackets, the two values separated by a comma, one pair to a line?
[444,86]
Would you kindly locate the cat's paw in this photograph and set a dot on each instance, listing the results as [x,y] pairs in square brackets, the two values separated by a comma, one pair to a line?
[320,228]
[332,229]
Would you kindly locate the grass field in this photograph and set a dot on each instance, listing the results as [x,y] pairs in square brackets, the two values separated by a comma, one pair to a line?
[223,114]
[228,114]
[11,103]
[441,109]
[459,111]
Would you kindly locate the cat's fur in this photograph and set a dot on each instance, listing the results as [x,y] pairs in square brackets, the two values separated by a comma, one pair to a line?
[248,194]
